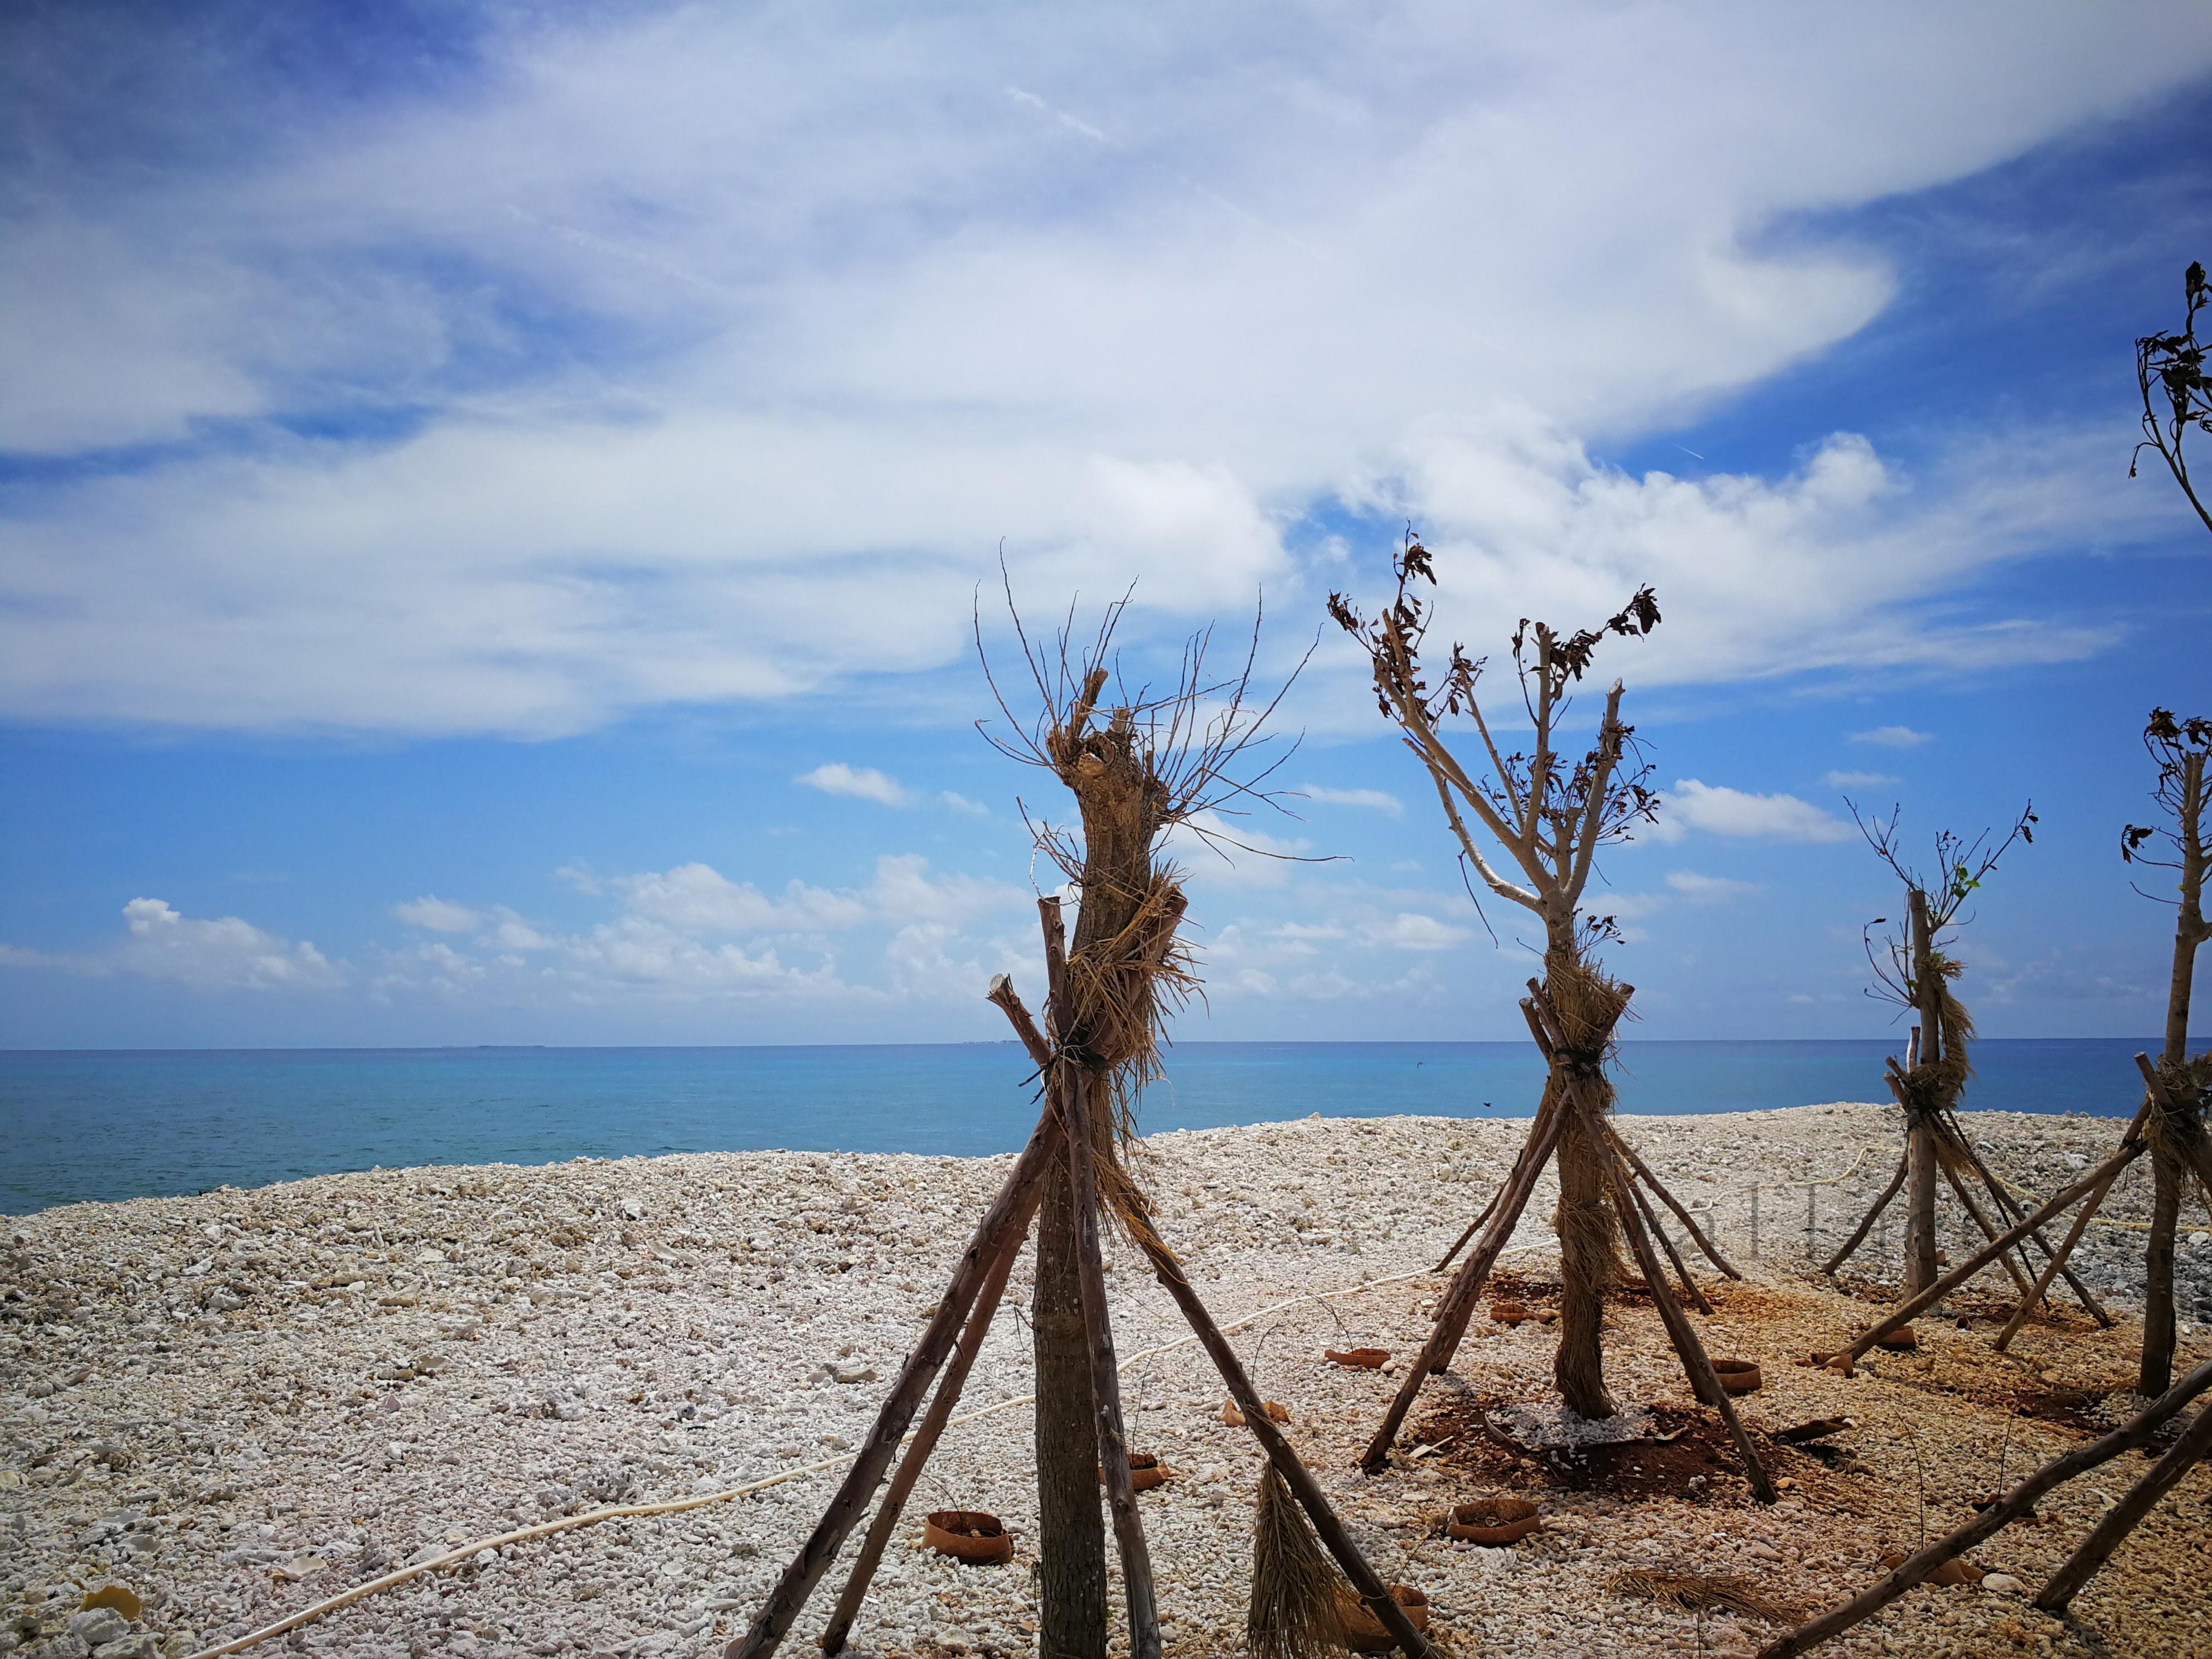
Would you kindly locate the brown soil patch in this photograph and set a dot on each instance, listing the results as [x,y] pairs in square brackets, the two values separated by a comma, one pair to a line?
[1689,1456]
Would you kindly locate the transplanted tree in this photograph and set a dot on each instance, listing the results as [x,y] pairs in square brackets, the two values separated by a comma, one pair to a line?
[1542,817]
[1139,765]
[1538,817]
[2177,398]
[1914,969]
[2179,747]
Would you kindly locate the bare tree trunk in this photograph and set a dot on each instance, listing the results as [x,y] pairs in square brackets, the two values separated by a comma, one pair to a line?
[1585,1223]
[1072,1624]
[2156,1374]
[2157,1367]
[1921,1178]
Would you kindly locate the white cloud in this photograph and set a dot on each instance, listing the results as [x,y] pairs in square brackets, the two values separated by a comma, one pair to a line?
[854,313]
[1708,889]
[696,898]
[960,803]
[220,954]
[1376,798]
[1893,737]
[1720,811]
[1410,931]
[224,953]
[438,915]
[862,782]
[1856,780]
[1233,852]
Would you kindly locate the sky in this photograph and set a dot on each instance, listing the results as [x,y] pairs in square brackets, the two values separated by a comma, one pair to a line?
[499,503]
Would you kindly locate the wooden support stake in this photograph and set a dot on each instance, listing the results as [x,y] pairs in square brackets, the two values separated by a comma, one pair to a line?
[1704,1381]
[941,1405]
[2136,1431]
[1544,1105]
[1017,1198]
[2081,1219]
[1365,1583]
[2019,1279]
[1711,1253]
[1457,1305]
[1866,1221]
[1651,1221]
[2125,1515]
[1072,1083]
[2130,1150]
[2012,1211]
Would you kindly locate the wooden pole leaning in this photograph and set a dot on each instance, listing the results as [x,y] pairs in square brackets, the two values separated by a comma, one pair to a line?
[2125,1515]
[1280,1454]
[1072,1082]
[1689,1223]
[2020,1281]
[2012,1210]
[1651,1224]
[941,1405]
[2083,1218]
[1903,1314]
[2139,1430]
[1017,1199]
[1866,1222]
[1457,1304]
[1545,1105]
[1704,1381]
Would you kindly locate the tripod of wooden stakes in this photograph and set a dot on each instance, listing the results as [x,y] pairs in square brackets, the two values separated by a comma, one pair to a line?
[1575,1077]
[955,1335]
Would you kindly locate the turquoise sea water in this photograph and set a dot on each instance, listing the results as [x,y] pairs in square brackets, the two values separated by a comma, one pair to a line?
[78,1125]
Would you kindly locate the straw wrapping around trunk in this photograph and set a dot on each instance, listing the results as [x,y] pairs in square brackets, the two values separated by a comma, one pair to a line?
[1590,1005]
[1292,1614]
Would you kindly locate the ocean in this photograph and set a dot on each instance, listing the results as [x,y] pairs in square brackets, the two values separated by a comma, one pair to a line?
[79,1125]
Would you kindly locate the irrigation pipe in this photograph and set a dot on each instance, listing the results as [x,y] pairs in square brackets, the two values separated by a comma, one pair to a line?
[462,1552]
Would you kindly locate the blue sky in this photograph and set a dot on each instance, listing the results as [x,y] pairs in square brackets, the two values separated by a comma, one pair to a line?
[492,499]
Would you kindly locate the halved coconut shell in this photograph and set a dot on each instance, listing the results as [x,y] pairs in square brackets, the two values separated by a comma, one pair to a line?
[1902,1336]
[971,1535]
[1738,1376]
[1234,1418]
[1493,1520]
[1956,1571]
[1510,1313]
[1145,1472]
[1363,1359]
[1364,1631]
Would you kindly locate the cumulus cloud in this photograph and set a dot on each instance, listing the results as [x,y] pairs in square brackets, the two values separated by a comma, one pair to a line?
[219,954]
[1410,931]
[438,915]
[1375,800]
[332,454]
[1841,780]
[1708,889]
[959,802]
[862,782]
[1720,811]
[1893,737]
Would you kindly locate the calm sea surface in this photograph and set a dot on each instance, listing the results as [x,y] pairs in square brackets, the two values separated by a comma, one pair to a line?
[83,1125]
